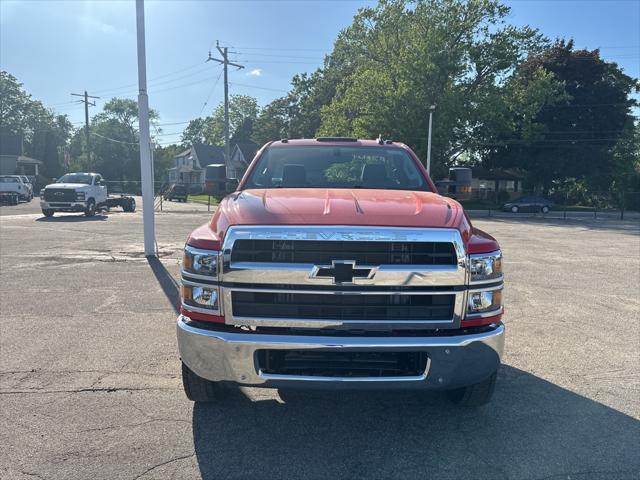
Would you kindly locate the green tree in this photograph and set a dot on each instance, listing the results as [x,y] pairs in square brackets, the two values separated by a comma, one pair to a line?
[401,57]
[44,133]
[272,122]
[114,141]
[576,136]
[243,111]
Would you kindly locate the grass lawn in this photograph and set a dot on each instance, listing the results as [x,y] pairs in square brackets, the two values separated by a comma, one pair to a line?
[202,199]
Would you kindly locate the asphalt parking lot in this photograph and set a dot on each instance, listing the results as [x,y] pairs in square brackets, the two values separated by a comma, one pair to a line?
[90,377]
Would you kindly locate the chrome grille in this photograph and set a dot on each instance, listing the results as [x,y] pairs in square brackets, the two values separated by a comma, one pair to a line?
[271,277]
[362,252]
[312,306]
[59,195]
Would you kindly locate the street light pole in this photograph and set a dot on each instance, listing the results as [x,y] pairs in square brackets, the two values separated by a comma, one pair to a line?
[431,109]
[145,139]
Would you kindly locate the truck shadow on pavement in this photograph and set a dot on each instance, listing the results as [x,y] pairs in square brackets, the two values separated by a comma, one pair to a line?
[167,283]
[533,429]
[73,218]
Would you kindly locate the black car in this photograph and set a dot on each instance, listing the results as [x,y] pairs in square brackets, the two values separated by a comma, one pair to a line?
[528,204]
[176,192]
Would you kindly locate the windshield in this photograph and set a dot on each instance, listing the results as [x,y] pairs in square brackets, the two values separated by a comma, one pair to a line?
[9,180]
[75,178]
[337,167]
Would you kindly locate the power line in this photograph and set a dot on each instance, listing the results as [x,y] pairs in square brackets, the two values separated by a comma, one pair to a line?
[113,139]
[276,56]
[164,82]
[259,88]
[210,93]
[151,79]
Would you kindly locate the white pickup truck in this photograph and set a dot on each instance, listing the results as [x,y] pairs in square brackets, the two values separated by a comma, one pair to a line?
[80,192]
[12,189]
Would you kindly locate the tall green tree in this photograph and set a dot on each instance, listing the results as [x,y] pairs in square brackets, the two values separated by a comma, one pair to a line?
[114,141]
[576,136]
[43,132]
[408,55]
[243,111]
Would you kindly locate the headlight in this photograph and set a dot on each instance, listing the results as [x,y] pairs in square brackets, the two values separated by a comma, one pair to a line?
[79,195]
[484,301]
[485,267]
[201,297]
[200,262]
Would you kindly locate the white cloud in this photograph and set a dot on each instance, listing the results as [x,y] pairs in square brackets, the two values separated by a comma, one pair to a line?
[256,72]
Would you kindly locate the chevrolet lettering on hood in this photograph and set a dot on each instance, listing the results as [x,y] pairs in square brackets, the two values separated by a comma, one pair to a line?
[335,263]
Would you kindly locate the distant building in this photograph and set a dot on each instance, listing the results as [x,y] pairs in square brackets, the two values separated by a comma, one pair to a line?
[485,181]
[191,164]
[241,156]
[12,160]
[477,183]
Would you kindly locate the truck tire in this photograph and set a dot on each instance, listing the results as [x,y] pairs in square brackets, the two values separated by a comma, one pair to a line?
[474,395]
[131,205]
[199,389]
[48,213]
[90,211]
[15,200]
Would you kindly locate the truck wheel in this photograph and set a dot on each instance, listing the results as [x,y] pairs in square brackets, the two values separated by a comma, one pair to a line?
[90,211]
[48,213]
[474,395]
[130,205]
[15,200]
[199,389]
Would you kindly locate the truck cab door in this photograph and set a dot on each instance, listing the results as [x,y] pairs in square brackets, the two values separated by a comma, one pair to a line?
[100,188]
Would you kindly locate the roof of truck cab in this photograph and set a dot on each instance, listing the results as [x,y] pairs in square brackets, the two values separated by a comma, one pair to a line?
[306,142]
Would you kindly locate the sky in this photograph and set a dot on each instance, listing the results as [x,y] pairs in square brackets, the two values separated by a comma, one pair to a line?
[56,48]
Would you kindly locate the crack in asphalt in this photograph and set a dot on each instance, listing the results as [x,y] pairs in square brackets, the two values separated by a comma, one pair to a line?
[567,475]
[158,465]
[131,425]
[40,391]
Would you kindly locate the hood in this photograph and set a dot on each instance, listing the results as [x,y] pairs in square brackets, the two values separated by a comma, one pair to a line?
[318,206]
[68,185]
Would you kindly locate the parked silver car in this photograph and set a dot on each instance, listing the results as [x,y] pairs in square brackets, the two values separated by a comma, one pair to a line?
[528,204]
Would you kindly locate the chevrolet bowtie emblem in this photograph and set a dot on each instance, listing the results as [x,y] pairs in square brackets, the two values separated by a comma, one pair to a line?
[342,271]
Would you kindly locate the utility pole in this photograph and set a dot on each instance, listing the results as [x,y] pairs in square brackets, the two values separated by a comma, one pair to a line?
[146,166]
[86,116]
[431,109]
[225,62]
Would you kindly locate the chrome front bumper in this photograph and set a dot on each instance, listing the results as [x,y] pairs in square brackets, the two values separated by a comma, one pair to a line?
[454,361]
[76,206]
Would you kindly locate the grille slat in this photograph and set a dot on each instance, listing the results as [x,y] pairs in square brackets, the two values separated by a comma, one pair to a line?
[342,364]
[376,308]
[363,252]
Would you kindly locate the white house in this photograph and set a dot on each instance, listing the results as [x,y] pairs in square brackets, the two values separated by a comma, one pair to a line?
[191,164]
[241,156]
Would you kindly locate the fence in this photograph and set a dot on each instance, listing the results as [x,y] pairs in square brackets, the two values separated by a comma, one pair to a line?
[567,202]
[160,190]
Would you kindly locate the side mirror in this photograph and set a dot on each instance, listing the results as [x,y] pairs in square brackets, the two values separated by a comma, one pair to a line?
[217,184]
[54,180]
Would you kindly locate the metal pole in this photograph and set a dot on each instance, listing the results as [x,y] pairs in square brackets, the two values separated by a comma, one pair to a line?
[226,107]
[145,138]
[431,109]
[86,124]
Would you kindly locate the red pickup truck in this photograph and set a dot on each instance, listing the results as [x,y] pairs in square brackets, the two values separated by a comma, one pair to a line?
[334,263]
